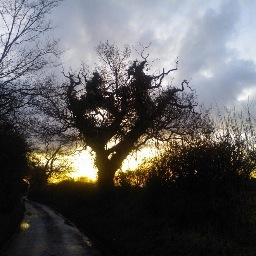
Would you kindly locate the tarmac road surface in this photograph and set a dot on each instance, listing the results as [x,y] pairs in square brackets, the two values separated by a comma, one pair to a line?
[46,233]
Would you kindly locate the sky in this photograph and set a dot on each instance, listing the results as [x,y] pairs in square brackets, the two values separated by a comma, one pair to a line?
[214,41]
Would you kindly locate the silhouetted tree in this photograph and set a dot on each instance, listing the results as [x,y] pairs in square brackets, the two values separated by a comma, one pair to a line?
[24,54]
[120,106]
[23,51]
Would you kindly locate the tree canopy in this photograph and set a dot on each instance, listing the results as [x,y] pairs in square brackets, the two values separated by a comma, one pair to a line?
[120,106]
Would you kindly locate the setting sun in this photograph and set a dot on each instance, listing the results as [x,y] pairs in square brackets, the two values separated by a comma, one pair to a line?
[83,162]
[84,165]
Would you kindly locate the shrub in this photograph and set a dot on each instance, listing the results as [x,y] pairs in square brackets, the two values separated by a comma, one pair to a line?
[203,179]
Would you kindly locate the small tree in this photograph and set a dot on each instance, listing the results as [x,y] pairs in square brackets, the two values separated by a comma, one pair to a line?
[121,106]
[49,163]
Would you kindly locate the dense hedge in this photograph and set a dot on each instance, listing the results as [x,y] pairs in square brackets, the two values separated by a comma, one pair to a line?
[9,222]
[13,162]
[14,165]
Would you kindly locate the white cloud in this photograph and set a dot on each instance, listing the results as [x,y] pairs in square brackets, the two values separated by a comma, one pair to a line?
[246,94]
[218,72]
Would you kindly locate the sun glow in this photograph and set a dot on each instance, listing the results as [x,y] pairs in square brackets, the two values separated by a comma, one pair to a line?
[136,158]
[84,165]
[83,162]
[80,165]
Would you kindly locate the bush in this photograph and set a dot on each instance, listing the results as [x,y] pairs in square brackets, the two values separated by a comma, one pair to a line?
[202,180]
[130,178]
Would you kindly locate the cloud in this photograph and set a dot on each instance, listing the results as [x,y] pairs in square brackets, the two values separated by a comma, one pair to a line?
[83,24]
[217,71]
[208,37]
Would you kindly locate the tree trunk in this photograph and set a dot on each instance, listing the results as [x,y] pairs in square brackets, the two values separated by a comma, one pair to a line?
[106,172]
[106,180]
[107,167]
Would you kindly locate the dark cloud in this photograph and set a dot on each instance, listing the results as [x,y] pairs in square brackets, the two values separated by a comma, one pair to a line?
[209,39]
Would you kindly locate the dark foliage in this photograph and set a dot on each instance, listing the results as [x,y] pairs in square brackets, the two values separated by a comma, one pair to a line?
[202,181]
[200,185]
[14,165]
[9,222]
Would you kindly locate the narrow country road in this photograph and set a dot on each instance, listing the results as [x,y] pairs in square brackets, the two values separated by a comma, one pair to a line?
[45,233]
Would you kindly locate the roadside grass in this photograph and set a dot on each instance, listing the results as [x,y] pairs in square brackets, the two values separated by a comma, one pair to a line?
[131,222]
